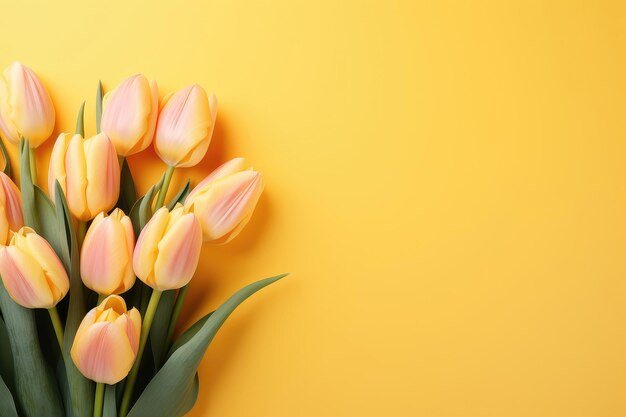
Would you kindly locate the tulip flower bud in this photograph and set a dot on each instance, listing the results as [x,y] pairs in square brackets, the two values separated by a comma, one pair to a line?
[31,271]
[25,106]
[185,126]
[168,249]
[224,201]
[129,114]
[10,208]
[88,171]
[106,342]
[106,265]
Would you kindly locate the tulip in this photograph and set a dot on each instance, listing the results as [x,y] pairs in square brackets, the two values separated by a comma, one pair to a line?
[31,271]
[25,106]
[10,208]
[106,256]
[107,340]
[225,200]
[88,171]
[168,249]
[185,126]
[129,114]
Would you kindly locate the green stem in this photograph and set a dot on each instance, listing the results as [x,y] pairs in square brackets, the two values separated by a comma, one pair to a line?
[81,231]
[166,184]
[101,298]
[99,400]
[33,165]
[58,326]
[145,331]
[180,299]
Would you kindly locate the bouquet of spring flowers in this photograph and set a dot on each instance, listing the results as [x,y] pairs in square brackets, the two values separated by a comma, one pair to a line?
[105,345]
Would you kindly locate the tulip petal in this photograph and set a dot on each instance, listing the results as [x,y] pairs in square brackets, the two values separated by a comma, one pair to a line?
[146,248]
[46,258]
[103,353]
[179,252]
[76,178]
[102,174]
[184,127]
[24,279]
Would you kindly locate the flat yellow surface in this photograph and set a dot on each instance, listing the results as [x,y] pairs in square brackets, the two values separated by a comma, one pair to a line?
[446,183]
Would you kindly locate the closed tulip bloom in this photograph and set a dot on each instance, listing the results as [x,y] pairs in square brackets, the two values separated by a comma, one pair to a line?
[32,273]
[88,171]
[10,208]
[106,342]
[185,126]
[106,258]
[129,114]
[225,200]
[25,106]
[168,249]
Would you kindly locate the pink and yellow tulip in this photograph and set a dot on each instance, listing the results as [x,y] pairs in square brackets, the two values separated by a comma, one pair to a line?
[107,340]
[106,264]
[185,126]
[31,271]
[129,114]
[168,249]
[225,200]
[10,208]
[88,171]
[25,106]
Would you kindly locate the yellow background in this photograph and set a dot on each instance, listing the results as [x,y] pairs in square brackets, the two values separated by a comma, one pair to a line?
[446,183]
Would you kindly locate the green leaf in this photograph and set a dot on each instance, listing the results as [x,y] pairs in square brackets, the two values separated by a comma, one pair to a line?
[145,209]
[80,120]
[7,406]
[99,94]
[27,188]
[34,380]
[188,334]
[5,156]
[6,357]
[160,324]
[169,392]
[81,389]
[180,196]
[110,403]
[134,216]
[128,195]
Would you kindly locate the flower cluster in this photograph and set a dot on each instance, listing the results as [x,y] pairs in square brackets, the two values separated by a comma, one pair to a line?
[115,240]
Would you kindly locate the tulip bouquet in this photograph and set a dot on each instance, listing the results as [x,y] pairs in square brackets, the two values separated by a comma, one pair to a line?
[79,334]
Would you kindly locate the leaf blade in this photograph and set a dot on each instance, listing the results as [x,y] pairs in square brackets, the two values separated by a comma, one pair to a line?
[178,374]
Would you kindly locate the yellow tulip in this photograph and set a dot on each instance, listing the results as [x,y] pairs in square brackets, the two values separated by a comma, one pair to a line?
[129,114]
[106,342]
[106,264]
[225,200]
[88,171]
[10,208]
[25,106]
[185,126]
[168,249]
[31,271]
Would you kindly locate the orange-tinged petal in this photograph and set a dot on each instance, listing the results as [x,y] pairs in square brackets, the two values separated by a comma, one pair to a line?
[146,248]
[43,254]
[185,126]
[102,174]
[11,202]
[27,109]
[24,279]
[103,353]
[56,169]
[76,178]
[178,253]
